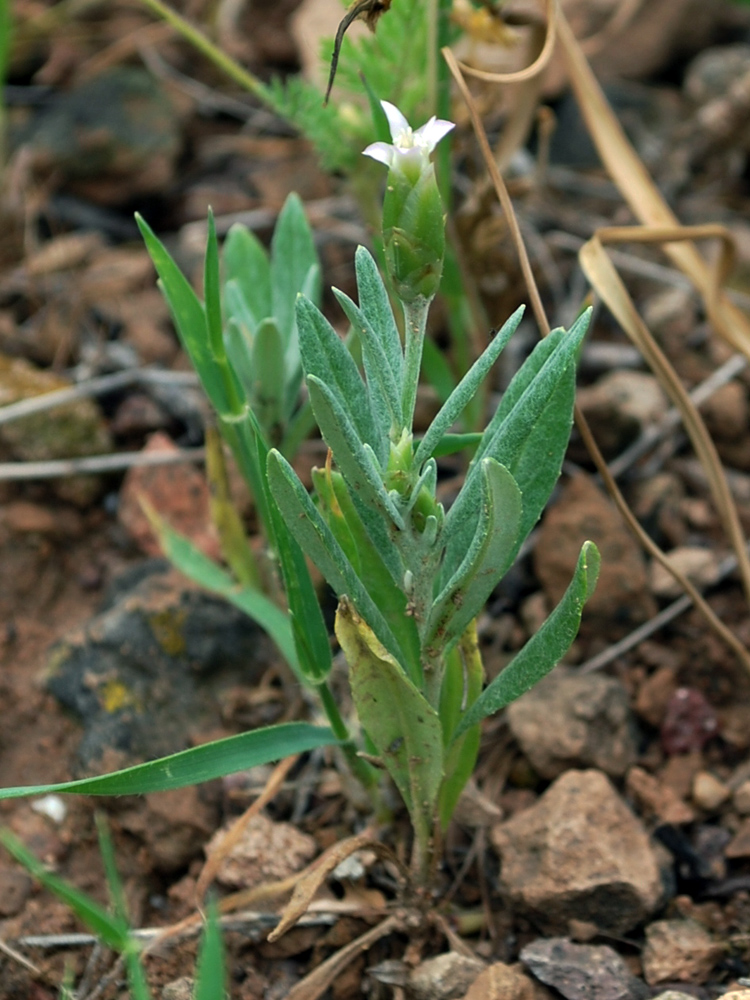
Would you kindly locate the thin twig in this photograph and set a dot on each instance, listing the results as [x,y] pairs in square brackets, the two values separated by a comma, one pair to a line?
[18,957]
[664,617]
[92,464]
[92,387]
[672,419]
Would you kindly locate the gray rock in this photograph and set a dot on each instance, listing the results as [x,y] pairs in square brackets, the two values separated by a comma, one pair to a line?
[579,854]
[149,670]
[568,720]
[582,971]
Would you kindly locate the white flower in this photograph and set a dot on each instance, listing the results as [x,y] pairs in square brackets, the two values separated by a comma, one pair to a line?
[408,145]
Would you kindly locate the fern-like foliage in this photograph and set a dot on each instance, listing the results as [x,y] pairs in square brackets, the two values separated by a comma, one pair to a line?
[392,60]
[301,104]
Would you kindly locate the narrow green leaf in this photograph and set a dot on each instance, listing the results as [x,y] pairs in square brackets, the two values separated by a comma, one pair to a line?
[110,928]
[268,388]
[528,435]
[487,558]
[545,648]
[235,547]
[191,767]
[462,685]
[114,883]
[367,558]
[212,293]
[308,627]
[399,720]
[450,444]
[385,391]
[210,977]
[465,390]
[136,976]
[188,315]
[356,466]
[374,303]
[247,267]
[292,255]
[194,329]
[325,356]
[318,541]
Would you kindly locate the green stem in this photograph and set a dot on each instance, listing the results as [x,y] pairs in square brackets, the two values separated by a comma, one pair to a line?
[415,324]
[197,39]
[361,769]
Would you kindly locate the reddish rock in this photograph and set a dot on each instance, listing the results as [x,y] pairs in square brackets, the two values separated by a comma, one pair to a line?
[689,722]
[179,493]
[579,854]
[621,599]
[568,720]
[679,951]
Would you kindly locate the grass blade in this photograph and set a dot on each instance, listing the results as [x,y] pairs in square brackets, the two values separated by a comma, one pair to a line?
[191,767]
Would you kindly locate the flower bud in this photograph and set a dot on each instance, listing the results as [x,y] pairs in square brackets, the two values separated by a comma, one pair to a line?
[413,218]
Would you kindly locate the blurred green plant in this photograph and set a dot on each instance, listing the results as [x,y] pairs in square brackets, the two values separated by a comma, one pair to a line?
[113,928]
[6,32]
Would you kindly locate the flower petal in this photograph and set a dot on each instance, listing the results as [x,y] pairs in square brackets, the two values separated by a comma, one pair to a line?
[432,132]
[396,121]
[383,152]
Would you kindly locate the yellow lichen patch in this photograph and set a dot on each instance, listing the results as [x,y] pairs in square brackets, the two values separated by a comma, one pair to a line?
[114,696]
[167,627]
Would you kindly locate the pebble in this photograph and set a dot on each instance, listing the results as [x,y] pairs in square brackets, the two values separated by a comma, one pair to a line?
[678,950]
[658,799]
[739,845]
[582,971]
[568,720]
[708,792]
[444,977]
[506,982]
[622,598]
[699,565]
[579,853]
[741,799]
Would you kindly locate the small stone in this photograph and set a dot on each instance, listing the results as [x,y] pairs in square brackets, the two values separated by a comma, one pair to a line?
[679,950]
[679,995]
[619,405]
[622,598]
[15,889]
[568,720]
[178,492]
[708,792]
[741,799]
[505,982]
[179,989]
[266,852]
[726,411]
[579,853]
[445,977]
[739,845]
[582,971]
[658,799]
[700,566]
[654,694]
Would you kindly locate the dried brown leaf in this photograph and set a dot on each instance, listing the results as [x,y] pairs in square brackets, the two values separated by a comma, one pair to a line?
[312,878]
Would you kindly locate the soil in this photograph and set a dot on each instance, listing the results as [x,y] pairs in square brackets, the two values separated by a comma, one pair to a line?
[77,297]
